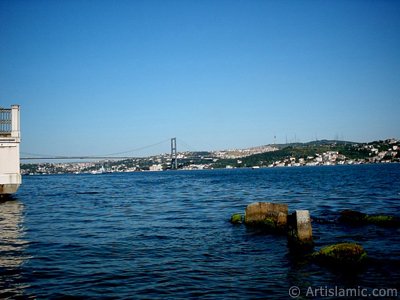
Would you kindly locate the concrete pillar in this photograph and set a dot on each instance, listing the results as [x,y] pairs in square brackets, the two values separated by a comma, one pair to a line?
[300,229]
[15,123]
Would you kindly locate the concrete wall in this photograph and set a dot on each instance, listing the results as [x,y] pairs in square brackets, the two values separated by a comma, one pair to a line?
[9,158]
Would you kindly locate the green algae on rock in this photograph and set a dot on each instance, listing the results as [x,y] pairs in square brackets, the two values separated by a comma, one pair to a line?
[382,220]
[356,218]
[343,254]
[236,218]
[269,222]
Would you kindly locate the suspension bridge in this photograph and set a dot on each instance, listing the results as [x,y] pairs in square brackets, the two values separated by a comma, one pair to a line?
[113,156]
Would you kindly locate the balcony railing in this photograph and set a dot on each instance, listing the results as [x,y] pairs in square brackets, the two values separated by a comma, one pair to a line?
[5,121]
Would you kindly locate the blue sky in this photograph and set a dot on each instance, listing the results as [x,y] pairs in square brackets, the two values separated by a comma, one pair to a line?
[98,77]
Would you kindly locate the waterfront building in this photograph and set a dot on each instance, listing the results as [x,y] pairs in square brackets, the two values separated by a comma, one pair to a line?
[10,138]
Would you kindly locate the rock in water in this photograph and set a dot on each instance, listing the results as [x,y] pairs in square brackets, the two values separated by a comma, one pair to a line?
[269,216]
[356,218]
[236,219]
[352,217]
[383,220]
[344,254]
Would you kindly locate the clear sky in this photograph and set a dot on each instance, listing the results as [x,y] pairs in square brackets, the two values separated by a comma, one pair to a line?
[98,77]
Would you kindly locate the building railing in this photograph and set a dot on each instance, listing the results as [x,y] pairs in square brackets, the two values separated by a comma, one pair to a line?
[5,121]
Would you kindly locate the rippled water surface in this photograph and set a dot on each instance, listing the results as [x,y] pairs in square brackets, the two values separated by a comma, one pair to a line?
[167,235]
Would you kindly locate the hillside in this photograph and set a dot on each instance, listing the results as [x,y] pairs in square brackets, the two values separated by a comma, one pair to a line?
[321,152]
[314,153]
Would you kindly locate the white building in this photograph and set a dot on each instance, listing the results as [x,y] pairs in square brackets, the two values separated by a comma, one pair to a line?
[10,138]
[156,168]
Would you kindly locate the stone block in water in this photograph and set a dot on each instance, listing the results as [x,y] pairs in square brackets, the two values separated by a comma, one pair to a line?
[271,216]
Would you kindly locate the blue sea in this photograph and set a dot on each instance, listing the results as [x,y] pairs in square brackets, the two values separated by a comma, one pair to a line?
[166,235]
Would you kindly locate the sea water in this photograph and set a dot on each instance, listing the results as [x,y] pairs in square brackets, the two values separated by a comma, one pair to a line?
[166,235]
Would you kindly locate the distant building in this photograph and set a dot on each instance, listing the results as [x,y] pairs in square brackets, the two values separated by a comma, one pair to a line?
[155,168]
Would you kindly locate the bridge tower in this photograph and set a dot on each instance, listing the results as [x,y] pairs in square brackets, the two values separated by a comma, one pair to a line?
[174,156]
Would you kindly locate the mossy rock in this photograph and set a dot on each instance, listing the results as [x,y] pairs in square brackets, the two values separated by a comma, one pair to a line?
[352,217]
[268,225]
[383,220]
[237,218]
[266,214]
[356,218]
[344,254]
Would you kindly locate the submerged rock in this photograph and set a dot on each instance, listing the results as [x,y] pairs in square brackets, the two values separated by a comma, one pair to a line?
[344,254]
[237,218]
[352,217]
[266,215]
[356,218]
[383,220]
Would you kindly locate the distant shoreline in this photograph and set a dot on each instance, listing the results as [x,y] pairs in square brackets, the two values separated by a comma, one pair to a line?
[214,169]
[292,155]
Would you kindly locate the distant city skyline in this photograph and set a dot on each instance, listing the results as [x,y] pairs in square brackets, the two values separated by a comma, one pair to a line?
[101,77]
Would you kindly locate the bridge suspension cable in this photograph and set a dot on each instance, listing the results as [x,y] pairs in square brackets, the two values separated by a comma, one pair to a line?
[114,155]
[186,145]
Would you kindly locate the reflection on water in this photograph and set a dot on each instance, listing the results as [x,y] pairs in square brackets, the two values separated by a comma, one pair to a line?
[12,247]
